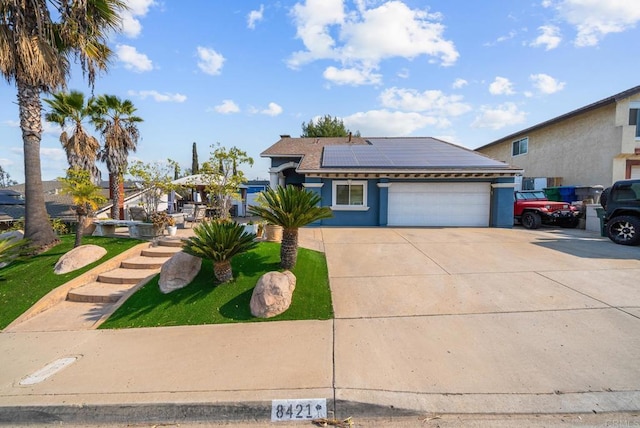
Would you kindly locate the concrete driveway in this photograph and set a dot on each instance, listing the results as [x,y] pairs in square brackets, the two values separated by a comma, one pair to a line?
[455,320]
[485,320]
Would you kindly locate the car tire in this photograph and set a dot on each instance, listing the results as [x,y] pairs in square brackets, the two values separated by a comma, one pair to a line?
[531,220]
[570,223]
[624,230]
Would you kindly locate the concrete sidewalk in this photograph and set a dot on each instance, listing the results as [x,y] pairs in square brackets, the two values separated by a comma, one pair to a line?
[427,321]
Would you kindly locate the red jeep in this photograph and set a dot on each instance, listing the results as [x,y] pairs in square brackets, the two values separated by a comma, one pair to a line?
[532,208]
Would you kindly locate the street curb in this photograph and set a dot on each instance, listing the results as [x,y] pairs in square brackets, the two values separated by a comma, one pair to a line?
[177,413]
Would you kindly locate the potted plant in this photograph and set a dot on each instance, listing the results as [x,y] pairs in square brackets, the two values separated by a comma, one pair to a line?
[161,220]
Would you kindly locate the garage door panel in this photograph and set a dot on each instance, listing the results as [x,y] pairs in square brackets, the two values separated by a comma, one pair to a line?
[439,204]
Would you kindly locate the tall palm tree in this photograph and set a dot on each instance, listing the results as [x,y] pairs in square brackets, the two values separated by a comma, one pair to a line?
[219,241]
[38,40]
[86,196]
[80,147]
[116,121]
[291,208]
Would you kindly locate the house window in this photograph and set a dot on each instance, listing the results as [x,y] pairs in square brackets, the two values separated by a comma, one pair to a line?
[349,195]
[634,120]
[520,147]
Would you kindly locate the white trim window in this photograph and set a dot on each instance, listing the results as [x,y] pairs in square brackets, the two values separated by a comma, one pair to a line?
[520,147]
[349,195]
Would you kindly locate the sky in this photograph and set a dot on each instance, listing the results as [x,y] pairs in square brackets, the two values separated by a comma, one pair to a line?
[242,73]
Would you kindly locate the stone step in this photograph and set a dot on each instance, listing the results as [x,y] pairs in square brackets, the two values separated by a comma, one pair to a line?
[173,241]
[98,292]
[143,262]
[160,251]
[126,276]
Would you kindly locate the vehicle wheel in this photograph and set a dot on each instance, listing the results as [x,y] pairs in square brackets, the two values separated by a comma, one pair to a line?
[624,230]
[531,220]
[570,223]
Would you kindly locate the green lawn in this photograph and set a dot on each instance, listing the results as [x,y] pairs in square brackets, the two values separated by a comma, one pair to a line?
[24,282]
[202,302]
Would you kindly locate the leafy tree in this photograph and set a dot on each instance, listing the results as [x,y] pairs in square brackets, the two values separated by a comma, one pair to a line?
[156,181]
[86,195]
[223,177]
[80,147]
[5,178]
[219,241]
[38,41]
[115,119]
[326,126]
[292,208]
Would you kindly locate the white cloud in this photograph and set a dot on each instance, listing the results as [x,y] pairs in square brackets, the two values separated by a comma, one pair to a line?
[355,38]
[210,61]
[227,107]
[546,84]
[52,154]
[132,59]
[159,97]
[404,73]
[351,76]
[434,102]
[130,24]
[594,19]
[549,37]
[391,123]
[502,39]
[506,114]
[255,16]
[459,83]
[501,86]
[273,110]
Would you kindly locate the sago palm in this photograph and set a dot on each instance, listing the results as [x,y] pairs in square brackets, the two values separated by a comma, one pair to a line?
[219,241]
[291,208]
[81,148]
[39,39]
[118,125]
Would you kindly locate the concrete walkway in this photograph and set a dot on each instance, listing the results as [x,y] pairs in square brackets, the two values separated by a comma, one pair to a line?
[427,321]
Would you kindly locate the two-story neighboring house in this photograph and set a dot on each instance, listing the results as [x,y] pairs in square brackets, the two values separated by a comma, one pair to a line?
[597,144]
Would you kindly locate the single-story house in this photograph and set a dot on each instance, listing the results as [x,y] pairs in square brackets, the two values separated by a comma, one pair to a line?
[597,144]
[405,181]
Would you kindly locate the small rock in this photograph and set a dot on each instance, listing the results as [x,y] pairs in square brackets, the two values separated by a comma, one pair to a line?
[272,294]
[178,272]
[79,257]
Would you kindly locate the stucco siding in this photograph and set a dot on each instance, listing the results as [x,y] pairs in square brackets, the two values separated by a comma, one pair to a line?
[579,150]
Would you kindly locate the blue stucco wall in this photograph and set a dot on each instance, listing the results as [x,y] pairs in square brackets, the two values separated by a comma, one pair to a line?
[501,214]
[502,203]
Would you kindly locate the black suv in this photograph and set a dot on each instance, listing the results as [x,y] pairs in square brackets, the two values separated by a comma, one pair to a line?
[621,203]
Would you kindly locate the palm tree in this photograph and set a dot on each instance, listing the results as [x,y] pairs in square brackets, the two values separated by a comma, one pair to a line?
[292,208]
[81,148]
[36,52]
[219,241]
[86,196]
[115,120]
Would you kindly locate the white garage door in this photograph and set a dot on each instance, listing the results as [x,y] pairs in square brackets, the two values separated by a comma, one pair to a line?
[439,204]
[635,172]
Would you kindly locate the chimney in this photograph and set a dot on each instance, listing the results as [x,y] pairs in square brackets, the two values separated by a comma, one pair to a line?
[285,136]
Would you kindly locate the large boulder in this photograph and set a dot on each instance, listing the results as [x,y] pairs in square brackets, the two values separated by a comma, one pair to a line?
[272,294]
[79,257]
[178,272]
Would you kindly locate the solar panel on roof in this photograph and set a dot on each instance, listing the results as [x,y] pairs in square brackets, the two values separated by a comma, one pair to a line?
[405,153]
